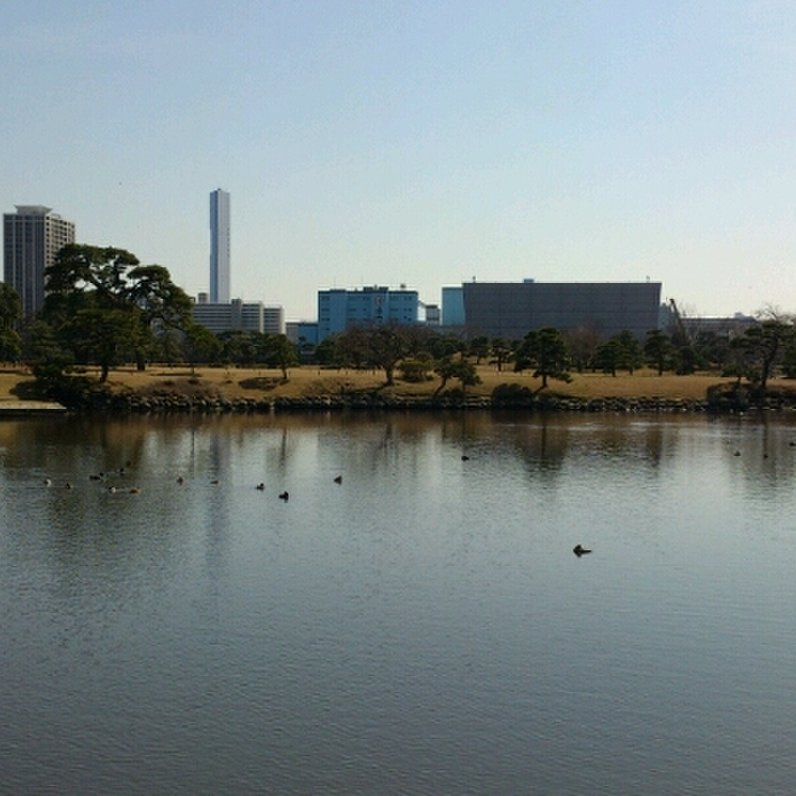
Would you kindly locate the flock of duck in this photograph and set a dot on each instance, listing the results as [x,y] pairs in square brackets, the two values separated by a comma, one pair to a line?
[134,490]
[579,550]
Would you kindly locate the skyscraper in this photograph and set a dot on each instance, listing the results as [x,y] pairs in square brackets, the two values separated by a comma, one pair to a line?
[31,238]
[219,247]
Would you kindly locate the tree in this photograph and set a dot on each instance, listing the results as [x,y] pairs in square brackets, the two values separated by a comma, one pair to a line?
[448,368]
[280,352]
[387,346]
[10,306]
[766,344]
[377,346]
[479,348]
[789,358]
[238,348]
[546,352]
[10,345]
[10,315]
[739,361]
[466,374]
[607,357]
[631,355]
[104,279]
[102,336]
[445,345]
[43,351]
[79,268]
[658,350]
[416,369]
[501,351]
[351,347]
[163,306]
[712,350]
[327,352]
[582,344]
[200,345]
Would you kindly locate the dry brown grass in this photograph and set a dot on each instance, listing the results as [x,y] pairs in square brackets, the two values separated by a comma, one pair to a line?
[311,380]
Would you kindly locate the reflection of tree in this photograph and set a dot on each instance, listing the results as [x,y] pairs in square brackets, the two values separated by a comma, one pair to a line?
[543,447]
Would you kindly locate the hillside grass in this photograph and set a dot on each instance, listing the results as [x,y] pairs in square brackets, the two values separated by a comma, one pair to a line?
[309,380]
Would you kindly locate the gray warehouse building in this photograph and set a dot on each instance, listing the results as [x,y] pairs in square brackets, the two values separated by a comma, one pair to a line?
[512,309]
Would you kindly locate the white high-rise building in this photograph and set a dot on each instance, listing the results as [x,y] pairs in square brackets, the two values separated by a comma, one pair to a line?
[219,247]
[31,238]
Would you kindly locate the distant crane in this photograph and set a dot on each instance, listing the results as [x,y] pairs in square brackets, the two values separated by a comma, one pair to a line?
[679,335]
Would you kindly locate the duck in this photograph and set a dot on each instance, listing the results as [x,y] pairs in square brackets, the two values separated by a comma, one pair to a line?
[48,482]
[180,479]
[284,496]
[579,550]
[112,490]
[215,482]
[134,490]
[465,458]
[338,479]
[260,486]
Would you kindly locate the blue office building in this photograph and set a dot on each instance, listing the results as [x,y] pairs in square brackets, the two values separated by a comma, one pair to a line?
[339,309]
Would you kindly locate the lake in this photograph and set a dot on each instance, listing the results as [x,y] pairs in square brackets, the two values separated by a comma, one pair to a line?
[423,626]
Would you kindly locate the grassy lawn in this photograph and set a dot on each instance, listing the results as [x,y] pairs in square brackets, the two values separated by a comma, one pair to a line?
[311,380]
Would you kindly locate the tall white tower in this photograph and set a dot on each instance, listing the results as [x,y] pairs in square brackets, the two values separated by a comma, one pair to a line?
[219,247]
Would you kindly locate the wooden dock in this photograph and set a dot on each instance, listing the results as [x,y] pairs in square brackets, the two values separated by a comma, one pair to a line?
[29,408]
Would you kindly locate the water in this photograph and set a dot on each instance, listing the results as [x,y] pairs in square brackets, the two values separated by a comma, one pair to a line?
[422,627]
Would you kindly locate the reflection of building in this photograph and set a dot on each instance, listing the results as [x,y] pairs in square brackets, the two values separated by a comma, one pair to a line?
[237,315]
[512,309]
[219,247]
[377,306]
[32,237]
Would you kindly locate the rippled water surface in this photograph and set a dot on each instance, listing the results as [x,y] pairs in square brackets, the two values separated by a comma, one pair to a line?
[421,627]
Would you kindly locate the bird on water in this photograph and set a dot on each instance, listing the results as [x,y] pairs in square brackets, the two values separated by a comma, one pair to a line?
[579,550]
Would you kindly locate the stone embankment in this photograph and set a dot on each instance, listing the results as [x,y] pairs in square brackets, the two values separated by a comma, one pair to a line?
[165,403]
[721,398]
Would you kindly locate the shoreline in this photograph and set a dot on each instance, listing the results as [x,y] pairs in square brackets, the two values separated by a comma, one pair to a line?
[165,389]
[178,403]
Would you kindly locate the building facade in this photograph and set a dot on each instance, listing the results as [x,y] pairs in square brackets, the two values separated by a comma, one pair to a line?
[339,309]
[219,247]
[452,306]
[31,238]
[239,315]
[511,309]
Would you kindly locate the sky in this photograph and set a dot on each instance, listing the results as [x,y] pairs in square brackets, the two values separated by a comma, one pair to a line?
[419,143]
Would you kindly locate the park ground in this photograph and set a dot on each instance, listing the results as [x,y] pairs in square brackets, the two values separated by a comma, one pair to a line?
[309,381]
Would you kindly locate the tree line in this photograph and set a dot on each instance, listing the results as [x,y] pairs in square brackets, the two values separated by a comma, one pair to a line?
[418,353]
[104,308]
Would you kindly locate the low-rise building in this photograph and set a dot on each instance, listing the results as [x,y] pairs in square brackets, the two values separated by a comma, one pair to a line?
[339,309]
[511,309]
[239,315]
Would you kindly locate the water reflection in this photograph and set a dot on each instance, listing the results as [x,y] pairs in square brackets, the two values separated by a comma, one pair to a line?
[422,626]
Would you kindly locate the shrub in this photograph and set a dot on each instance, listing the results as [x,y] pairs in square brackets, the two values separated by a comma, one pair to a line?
[415,370]
[512,395]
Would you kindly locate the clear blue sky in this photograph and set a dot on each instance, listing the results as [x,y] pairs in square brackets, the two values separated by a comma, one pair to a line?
[424,143]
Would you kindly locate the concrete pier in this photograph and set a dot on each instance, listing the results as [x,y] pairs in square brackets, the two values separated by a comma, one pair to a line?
[28,408]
